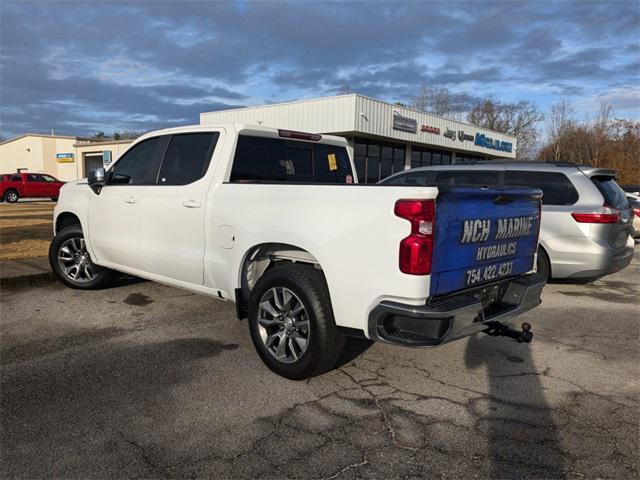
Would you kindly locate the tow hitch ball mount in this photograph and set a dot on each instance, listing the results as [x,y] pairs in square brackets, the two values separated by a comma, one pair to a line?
[497,329]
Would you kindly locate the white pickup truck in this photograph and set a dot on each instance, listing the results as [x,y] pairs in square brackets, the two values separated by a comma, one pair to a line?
[274,221]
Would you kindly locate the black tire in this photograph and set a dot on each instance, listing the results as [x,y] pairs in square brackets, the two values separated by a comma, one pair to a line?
[11,196]
[101,277]
[324,342]
[543,265]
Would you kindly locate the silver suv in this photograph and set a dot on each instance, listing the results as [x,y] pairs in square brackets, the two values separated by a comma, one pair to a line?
[586,218]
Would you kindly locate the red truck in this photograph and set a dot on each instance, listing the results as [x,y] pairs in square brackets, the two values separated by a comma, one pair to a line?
[28,185]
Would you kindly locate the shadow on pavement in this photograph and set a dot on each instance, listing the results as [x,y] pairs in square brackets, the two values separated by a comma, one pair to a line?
[353,348]
[522,437]
[123,280]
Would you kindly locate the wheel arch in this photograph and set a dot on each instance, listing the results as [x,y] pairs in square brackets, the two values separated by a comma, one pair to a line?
[66,219]
[260,258]
[546,254]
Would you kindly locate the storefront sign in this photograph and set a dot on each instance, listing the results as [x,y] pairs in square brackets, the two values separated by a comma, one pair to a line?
[483,141]
[405,124]
[64,157]
[449,134]
[430,129]
[464,136]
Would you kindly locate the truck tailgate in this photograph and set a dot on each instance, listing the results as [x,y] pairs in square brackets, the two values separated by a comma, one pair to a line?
[483,235]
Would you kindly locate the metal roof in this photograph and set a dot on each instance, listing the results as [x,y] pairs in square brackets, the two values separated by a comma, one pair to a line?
[43,135]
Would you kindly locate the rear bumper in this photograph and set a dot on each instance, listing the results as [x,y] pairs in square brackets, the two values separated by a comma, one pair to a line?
[585,258]
[450,318]
[606,263]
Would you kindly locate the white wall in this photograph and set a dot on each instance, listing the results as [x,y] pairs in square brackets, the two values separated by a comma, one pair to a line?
[65,171]
[324,115]
[25,152]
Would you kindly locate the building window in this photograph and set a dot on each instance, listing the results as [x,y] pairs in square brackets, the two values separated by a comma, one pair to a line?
[424,157]
[375,160]
[467,158]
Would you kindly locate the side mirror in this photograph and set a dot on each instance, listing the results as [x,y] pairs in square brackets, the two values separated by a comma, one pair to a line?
[96,179]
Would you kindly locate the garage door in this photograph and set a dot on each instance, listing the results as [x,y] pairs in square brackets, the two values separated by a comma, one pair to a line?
[91,162]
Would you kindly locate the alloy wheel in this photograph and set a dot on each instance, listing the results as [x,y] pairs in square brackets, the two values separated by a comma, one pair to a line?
[75,262]
[283,324]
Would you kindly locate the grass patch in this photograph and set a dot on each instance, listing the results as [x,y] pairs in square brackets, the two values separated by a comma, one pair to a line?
[25,230]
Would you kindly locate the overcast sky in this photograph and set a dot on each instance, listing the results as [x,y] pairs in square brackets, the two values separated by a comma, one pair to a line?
[79,68]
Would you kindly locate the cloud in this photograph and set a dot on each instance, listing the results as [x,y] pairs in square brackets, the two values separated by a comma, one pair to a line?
[622,99]
[79,67]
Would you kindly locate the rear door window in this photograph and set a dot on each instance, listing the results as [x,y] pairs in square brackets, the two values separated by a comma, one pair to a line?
[613,195]
[468,177]
[264,160]
[556,188]
[187,158]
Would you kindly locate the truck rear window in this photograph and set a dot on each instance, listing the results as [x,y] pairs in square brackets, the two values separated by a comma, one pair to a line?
[613,195]
[274,160]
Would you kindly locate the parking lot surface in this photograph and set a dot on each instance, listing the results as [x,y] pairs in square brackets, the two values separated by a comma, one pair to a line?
[143,380]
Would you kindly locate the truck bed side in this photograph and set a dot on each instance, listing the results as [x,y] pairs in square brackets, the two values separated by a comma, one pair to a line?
[350,230]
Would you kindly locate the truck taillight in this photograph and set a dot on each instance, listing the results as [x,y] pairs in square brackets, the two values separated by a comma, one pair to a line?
[416,250]
[636,212]
[606,215]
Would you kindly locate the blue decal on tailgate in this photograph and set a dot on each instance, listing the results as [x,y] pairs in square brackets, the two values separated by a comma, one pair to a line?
[483,235]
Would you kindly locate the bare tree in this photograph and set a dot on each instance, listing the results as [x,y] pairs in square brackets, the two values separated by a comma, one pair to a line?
[598,139]
[421,100]
[440,101]
[518,119]
[611,143]
[125,135]
[559,124]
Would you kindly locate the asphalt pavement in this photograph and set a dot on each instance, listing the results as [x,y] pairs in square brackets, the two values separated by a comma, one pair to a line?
[143,380]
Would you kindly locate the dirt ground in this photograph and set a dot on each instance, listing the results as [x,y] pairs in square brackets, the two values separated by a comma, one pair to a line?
[25,229]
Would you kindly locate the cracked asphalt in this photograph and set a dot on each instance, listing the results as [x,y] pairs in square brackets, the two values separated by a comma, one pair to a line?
[144,380]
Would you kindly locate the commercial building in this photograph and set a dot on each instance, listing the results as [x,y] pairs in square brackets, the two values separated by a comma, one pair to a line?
[384,138]
[91,155]
[66,158]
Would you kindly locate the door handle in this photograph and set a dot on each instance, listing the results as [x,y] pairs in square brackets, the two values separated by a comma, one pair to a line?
[131,200]
[191,204]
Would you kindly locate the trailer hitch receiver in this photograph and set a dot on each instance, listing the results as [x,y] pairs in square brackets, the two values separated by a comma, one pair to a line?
[497,329]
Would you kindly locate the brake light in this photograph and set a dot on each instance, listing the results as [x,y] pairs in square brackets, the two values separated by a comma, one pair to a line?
[416,250]
[314,137]
[606,215]
[636,212]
